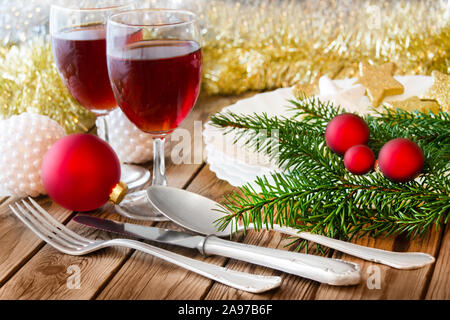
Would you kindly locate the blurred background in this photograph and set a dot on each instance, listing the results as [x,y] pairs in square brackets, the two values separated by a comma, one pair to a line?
[248,45]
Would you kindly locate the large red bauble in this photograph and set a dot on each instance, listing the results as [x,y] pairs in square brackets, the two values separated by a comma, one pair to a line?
[79,172]
[359,159]
[344,131]
[400,160]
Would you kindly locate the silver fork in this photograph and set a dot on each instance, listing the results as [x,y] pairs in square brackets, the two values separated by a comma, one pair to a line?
[65,240]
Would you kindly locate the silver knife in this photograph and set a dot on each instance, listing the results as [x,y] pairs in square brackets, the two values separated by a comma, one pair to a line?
[177,238]
[325,270]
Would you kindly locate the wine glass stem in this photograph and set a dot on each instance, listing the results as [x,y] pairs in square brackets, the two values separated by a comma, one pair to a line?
[159,167]
[104,133]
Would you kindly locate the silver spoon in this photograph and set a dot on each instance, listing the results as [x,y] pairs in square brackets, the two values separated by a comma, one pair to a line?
[199,214]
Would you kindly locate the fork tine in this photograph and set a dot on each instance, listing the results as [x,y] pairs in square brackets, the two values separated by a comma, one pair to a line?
[61,232]
[57,224]
[47,228]
[24,218]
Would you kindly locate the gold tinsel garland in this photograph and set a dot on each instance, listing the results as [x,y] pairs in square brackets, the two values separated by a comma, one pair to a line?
[29,82]
[260,45]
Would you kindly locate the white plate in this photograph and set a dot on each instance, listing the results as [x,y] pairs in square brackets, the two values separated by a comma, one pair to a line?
[236,163]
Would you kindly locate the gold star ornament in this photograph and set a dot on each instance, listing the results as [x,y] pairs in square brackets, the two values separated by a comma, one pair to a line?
[440,89]
[379,81]
[414,103]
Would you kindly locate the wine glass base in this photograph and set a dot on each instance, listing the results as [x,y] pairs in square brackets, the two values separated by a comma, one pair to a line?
[134,176]
[136,206]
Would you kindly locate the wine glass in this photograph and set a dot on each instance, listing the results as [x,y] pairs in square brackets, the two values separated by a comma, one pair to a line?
[78,38]
[155,63]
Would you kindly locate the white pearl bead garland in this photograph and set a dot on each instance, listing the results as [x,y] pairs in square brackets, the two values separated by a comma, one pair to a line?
[131,144]
[24,140]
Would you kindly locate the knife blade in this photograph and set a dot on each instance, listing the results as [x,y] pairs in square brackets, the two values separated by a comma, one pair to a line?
[167,236]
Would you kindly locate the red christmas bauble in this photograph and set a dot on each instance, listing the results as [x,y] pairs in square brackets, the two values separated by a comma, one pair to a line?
[80,171]
[359,159]
[400,160]
[345,131]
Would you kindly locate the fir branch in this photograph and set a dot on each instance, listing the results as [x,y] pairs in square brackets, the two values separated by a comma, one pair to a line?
[311,202]
[312,109]
[316,193]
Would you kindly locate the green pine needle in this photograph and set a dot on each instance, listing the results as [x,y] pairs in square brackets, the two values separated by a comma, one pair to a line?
[316,193]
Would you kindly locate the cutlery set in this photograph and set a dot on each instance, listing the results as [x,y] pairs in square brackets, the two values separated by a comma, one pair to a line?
[199,214]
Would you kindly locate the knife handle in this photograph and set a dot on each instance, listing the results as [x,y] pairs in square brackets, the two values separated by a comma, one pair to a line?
[325,270]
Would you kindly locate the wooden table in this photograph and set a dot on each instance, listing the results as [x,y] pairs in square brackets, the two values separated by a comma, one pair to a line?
[30,269]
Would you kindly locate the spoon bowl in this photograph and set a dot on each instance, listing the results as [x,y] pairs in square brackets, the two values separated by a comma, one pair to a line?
[187,209]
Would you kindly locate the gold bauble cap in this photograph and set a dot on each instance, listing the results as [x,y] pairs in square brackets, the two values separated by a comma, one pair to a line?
[118,193]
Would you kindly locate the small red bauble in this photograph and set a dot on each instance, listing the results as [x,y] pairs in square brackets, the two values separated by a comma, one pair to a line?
[345,131]
[359,159]
[80,171]
[401,160]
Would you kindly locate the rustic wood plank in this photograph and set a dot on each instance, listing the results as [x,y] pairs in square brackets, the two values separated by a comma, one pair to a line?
[394,283]
[293,287]
[439,287]
[125,274]
[44,275]
[156,279]
[143,266]
[181,284]
[17,242]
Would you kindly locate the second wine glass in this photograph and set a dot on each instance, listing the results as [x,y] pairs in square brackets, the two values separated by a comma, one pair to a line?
[78,37]
[154,64]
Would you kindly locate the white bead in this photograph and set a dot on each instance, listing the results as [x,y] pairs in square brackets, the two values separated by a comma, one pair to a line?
[125,138]
[26,138]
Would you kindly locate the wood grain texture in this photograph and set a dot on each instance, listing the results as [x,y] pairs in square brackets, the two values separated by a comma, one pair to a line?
[394,283]
[142,266]
[18,244]
[439,287]
[97,268]
[156,279]
[46,274]
[293,287]
[31,270]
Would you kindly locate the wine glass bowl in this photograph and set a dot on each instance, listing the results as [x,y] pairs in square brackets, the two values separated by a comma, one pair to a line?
[154,62]
[78,39]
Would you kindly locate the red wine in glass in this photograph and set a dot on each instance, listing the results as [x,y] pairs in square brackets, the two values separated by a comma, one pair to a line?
[80,55]
[157,82]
